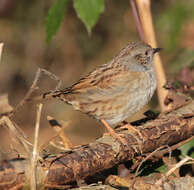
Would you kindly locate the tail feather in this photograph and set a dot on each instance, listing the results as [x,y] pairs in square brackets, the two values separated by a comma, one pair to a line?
[52,94]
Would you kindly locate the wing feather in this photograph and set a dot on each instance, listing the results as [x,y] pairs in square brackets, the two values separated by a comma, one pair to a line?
[102,83]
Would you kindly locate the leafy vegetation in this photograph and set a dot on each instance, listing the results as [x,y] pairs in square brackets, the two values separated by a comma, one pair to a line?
[87,10]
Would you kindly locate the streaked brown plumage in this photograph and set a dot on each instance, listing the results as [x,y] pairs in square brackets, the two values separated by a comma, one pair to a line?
[116,90]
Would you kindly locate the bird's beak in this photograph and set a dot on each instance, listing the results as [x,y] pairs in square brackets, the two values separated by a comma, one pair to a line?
[155,50]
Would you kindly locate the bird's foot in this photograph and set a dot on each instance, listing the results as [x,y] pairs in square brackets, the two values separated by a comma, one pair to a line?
[133,131]
[113,133]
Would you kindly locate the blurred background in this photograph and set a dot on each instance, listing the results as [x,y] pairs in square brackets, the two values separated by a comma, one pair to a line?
[72,53]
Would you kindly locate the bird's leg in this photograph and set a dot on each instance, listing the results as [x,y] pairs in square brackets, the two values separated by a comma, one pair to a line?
[112,132]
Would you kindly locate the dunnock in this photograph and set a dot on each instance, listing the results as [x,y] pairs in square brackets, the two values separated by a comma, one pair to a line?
[116,90]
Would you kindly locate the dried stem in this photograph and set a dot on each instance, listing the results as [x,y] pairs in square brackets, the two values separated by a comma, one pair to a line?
[149,37]
[61,133]
[137,19]
[33,179]
[34,87]
[28,94]
[152,154]
[178,165]
[1,49]
[16,132]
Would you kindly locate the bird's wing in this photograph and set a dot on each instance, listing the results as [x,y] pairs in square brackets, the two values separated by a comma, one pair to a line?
[106,81]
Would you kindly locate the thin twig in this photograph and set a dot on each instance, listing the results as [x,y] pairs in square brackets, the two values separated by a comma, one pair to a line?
[17,132]
[61,133]
[178,165]
[162,152]
[144,9]
[34,87]
[152,154]
[33,178]
[28,94]
[54,77]
[137,19]
[1,49]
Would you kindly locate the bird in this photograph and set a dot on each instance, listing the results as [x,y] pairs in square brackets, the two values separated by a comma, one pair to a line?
[114,91]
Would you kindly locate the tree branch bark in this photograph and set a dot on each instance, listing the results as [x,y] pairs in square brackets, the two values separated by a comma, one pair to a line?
[106,152]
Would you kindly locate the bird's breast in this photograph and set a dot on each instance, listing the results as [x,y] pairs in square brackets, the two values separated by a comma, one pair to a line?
[134,98]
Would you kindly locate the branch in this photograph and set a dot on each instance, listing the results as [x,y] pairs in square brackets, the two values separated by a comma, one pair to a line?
[137,20]
[145,16]
[106,152]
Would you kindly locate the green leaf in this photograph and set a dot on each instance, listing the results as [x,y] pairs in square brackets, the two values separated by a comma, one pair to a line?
[163,169]
[89,11]
[187,149]
[54,18]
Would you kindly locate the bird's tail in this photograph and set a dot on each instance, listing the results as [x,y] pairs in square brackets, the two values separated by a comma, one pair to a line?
[52,94]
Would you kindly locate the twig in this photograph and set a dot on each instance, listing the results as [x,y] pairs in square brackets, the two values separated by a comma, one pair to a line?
[158,153]
[28,94]
[17,132]
[60,130]
[152,154]
[149,34]
[1,49]
[54,77]
[162,152]
[33,178]
[137,19]
[178,165]
[34,87]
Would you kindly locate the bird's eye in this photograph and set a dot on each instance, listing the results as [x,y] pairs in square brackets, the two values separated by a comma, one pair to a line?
[146,53]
